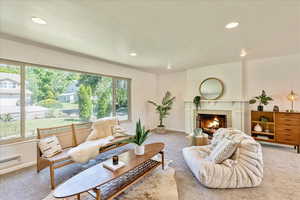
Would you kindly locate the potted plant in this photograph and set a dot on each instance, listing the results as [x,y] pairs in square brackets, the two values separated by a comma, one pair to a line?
[141,134]
[263,99]
[197,101]
[163,110]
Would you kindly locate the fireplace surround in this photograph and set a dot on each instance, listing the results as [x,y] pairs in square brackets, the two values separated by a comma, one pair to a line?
[234,110]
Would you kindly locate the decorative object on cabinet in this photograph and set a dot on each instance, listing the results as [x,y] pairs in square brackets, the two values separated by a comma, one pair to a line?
[263,99]
[211,89]
[258,128]
[292,97]
[264,119]
[276,108]
[282,127]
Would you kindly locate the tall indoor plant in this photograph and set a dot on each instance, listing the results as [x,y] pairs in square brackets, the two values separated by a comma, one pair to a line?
[141,134]
[163,109]
[262,99]
[197,102]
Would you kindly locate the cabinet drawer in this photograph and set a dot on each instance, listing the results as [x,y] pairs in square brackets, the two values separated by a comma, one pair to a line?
[287,137]
[288,115]
[288,129]
[290,121]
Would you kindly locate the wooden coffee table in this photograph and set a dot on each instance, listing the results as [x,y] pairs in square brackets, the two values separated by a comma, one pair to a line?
[105,184]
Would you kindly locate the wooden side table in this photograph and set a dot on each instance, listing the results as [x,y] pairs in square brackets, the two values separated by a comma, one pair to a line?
[198,140]
[201,140]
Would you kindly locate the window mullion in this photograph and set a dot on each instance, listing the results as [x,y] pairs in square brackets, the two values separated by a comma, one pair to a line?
[129,99]
[23,101]
[114,96]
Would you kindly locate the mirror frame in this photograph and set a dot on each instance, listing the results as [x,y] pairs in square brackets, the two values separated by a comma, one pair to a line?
[211,78]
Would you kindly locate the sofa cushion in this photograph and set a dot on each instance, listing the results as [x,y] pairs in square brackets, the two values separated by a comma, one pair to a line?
[88,150]
[49,146]
[224,150]
[118,131]
[102,128]
[62,156]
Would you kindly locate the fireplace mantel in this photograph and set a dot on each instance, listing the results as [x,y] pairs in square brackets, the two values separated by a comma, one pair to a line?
[237,109]
[221,101]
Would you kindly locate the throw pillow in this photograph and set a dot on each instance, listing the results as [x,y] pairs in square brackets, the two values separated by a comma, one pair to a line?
[49,146]
[224,150]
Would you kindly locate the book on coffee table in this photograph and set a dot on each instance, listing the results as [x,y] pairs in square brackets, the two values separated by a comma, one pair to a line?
[109,165]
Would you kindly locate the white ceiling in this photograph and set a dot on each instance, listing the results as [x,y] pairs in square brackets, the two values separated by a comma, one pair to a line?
[185,33]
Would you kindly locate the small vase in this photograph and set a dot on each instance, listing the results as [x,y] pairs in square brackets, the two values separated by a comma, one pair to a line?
[260,108]
[258,128]
[139,150]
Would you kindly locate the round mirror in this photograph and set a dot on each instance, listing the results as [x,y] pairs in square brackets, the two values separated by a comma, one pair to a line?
[211,88]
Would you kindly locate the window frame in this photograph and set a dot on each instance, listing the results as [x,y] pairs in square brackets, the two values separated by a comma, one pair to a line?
[23,66]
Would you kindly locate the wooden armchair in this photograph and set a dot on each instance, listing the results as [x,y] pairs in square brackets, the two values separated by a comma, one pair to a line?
[69,136]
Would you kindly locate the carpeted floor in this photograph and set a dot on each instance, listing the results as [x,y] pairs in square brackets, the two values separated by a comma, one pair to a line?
[281,176]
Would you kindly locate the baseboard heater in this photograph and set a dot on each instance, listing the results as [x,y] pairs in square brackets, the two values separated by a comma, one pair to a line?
[10,158]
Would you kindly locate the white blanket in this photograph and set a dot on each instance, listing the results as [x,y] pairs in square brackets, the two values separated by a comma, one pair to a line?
[88,150]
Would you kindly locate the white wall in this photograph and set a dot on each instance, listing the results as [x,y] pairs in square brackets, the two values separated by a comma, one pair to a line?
[229,74]
[175,83]
[143,84]
[242,80]
[185,86]
[277,76]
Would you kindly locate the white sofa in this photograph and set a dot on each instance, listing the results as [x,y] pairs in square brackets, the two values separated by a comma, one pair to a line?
[243,169]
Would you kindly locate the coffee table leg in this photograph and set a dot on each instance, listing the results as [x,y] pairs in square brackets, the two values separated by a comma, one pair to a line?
[162,159]
[98,196]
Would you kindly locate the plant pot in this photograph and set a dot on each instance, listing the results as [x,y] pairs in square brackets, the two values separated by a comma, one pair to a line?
[260,108]
[139,150]
[160,129]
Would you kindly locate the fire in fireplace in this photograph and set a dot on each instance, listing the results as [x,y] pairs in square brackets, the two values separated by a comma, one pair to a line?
[211,122]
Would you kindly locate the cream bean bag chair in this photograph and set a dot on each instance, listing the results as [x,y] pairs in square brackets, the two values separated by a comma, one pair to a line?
[244,168]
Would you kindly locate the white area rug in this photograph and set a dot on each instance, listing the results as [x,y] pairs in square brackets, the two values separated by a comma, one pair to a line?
[159,185]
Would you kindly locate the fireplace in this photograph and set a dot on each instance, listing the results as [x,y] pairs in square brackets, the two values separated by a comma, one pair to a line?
[211,122]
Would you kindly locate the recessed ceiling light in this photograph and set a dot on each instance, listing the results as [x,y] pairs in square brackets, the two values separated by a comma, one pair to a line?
[232,25]
[243,53]
[133,54]
[38,20]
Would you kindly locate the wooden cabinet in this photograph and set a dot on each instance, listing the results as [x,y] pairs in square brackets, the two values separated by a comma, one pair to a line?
[280,127]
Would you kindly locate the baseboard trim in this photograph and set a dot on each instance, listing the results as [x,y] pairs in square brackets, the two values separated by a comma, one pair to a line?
[17,167]
[170,129]
[176,130]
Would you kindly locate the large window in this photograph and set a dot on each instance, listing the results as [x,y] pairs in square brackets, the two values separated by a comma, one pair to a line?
[10,109]
[34,97]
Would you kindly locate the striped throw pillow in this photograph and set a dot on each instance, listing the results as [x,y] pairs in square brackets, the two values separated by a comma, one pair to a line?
[50,146]
[224,150]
